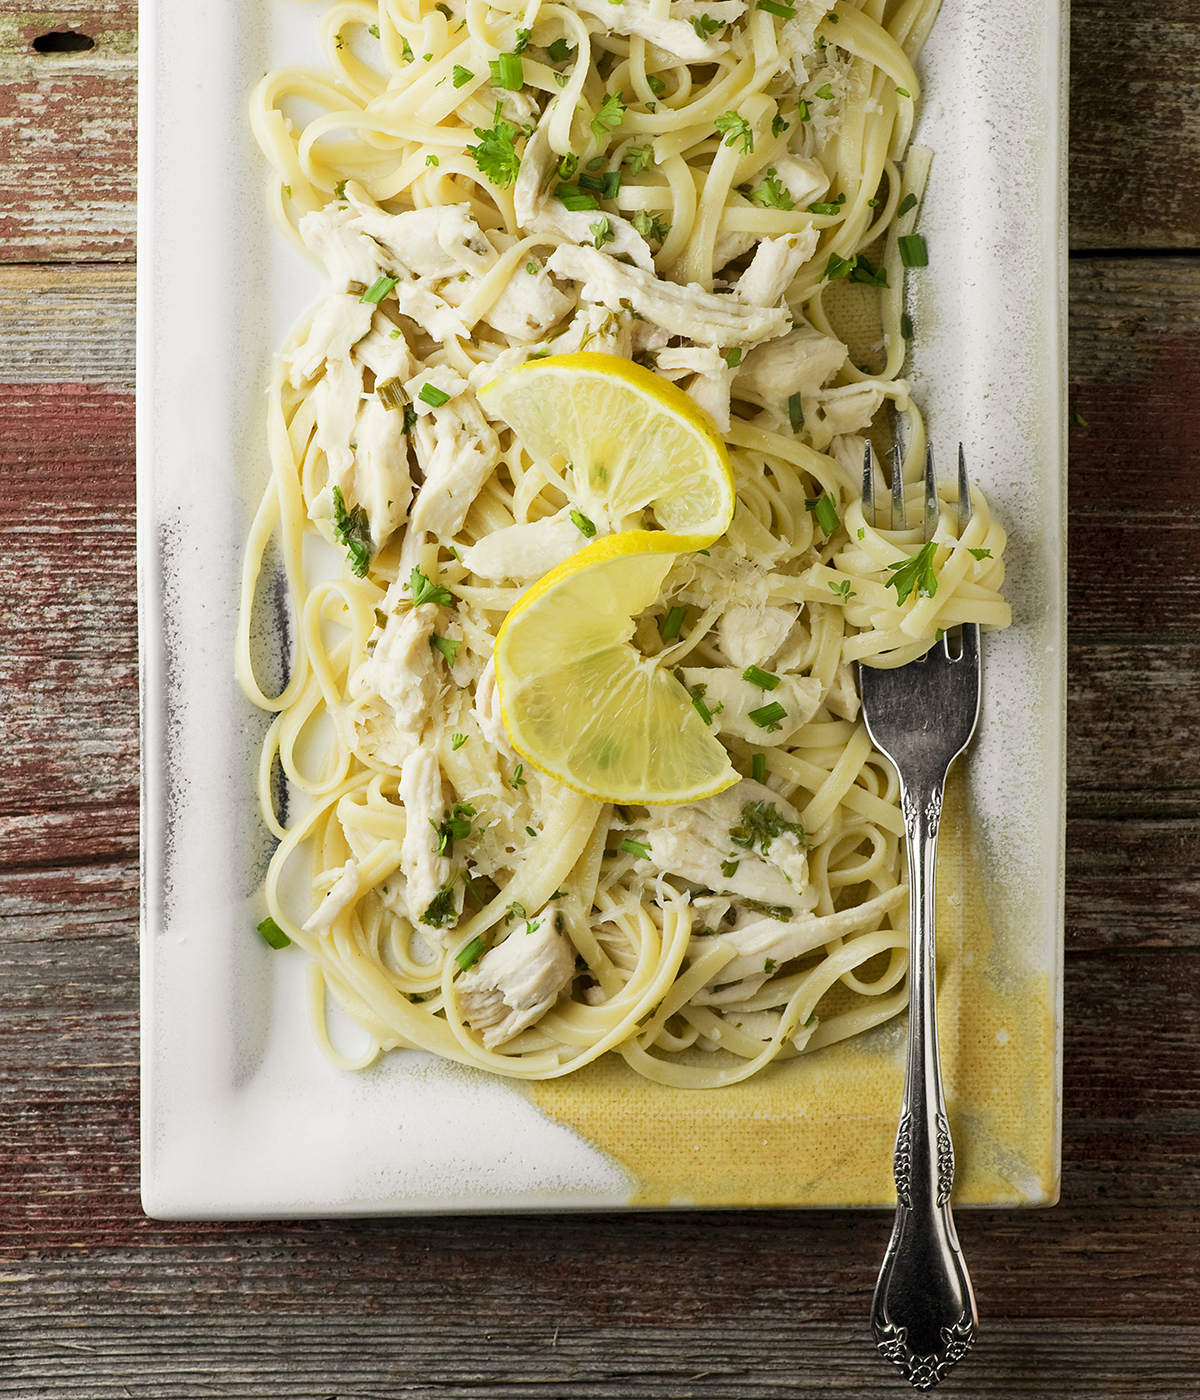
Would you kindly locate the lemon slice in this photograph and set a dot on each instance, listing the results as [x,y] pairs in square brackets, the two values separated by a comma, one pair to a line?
[632,440]
[583,705]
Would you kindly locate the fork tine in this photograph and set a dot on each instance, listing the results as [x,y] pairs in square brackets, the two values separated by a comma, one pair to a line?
[868,486]
[964,492]
[899,514]
[931,497]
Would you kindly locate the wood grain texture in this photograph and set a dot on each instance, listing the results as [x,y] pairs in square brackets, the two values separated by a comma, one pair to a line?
[68,145]
[97,1301]
[1135,134]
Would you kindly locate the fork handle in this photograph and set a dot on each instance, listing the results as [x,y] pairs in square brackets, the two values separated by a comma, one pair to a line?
[923,1315]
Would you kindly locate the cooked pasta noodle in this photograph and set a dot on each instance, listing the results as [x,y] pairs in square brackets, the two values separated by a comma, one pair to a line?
[725,192]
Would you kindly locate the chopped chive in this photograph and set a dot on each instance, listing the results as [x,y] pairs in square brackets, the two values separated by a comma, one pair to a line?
[373,30]
[433,396]
[904,92]
[733,357]
[391,394]
[700,707]
[670,626]
[758,767]
[768,716]
[432,160]
[908,202]
[906,325]
[508,72]
[462,76]
[529,831]
[378,289]
[273,934]
[655,84]
[772,7]
[824,507]
[795,411]
[729,868]
[470,955]
[582,524]
[913,252]
[636,848]
[763,679]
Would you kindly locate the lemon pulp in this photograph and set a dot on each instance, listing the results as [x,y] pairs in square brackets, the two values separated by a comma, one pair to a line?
[582,704]
[632,441]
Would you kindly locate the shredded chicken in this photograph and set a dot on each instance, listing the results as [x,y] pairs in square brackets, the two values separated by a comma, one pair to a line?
[517,982]
[524,552]
[673,32]
[705,317]
[342,893]
[730,699]
[402,673]
[427,875]
[457,449]
[700,842]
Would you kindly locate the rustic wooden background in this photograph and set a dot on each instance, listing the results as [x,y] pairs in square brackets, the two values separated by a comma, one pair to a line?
[1099,1297]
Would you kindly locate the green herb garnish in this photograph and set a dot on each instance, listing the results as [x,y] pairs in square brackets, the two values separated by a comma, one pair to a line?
[353,530]
[915,573]
[273,934]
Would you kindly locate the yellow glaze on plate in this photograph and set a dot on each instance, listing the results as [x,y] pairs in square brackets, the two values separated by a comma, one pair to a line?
[819,1129]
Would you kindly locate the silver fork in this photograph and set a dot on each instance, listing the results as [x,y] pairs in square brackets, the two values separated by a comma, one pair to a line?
[921,716]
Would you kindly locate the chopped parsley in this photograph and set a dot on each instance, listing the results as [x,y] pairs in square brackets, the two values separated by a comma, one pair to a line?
[423,591]
[352,529]
[706,27]
[602,232]
[516,910]
[915,573]
[825,91]
[496,155]
[843,590]
[650,227]
[637,158]
[734,128]
[838,266]
[655,84]
[772,193]
[518,778]
[761,823]
[441,912]
[432,160]
[273,934]
[522,41]
[612,109]
[575,199]
[457,741]
[560,51]
[769,966]
[729,868]
[373,30]
[455,826]
[448,646]
[733,357]
[980,553]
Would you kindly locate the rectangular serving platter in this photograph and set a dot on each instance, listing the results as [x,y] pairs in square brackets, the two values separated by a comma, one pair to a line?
[242,1116]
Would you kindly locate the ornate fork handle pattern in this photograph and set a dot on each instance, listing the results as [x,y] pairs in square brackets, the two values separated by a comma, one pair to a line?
[923,1316]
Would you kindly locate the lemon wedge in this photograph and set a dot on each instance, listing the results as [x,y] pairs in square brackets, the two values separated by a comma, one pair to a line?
[582,704]
[632,440]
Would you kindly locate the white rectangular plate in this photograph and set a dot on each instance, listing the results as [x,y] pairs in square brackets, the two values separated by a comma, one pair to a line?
[242,1116]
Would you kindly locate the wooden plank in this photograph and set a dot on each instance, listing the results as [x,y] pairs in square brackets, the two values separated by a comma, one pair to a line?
[1135,138]
[68,144]
[67,323]
[1133,883]
[408,1354]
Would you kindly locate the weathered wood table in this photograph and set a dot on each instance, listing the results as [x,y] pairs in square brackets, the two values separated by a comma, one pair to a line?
[1097,1297]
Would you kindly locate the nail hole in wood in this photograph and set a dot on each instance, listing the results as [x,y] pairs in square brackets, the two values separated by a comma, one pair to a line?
[63,41]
